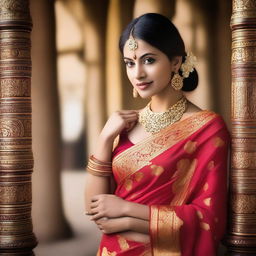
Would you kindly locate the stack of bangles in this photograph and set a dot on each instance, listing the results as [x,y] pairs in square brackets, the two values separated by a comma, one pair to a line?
[99,168]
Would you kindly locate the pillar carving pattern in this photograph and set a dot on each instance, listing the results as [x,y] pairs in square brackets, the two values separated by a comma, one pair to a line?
[241,239]
[16,158]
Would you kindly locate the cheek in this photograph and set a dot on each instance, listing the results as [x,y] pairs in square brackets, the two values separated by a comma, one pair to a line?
[163,77]
[129,74]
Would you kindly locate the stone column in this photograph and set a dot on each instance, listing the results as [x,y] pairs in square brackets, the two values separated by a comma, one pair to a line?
[94,40]
[119,89]
[16,159]
[47,212]
[164,7]
[241,238]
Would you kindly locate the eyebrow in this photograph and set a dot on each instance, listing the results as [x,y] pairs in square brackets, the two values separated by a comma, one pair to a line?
[141,57]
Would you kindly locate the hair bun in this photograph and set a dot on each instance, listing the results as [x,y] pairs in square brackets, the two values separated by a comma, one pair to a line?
[191,82]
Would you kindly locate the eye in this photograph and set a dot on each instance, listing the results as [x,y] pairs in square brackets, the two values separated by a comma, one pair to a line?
[149,60]
[129,64]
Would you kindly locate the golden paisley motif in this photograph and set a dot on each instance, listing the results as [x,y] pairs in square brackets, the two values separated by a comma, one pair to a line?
[105,252]
[206,186]
[139,176]
[218,142]
[156,170]
[123,243]
[128,184]
[199,214]
[205,226]
[185,170]
[190,147]
[207,201]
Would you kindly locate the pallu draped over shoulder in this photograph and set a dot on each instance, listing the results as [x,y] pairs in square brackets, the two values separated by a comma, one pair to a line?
[180,173]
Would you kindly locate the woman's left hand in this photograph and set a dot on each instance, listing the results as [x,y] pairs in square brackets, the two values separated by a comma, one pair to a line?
[109,226]
[106,205]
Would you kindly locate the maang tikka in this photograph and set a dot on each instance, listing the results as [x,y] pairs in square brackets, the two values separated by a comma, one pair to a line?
[132,44]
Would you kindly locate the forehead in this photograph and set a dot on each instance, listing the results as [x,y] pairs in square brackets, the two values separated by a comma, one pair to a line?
[143,47]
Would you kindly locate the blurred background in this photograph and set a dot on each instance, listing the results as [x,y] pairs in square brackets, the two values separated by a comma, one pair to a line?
[79,78]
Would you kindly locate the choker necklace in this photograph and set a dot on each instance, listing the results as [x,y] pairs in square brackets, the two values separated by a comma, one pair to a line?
[155,121]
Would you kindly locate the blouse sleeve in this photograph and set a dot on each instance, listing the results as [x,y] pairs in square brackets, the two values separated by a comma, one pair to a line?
[195,226]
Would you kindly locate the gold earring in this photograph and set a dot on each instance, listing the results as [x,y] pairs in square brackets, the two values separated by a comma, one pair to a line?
[135,93]
[177,82]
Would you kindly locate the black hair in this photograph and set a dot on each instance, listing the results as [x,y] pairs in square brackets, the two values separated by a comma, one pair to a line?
[160,32]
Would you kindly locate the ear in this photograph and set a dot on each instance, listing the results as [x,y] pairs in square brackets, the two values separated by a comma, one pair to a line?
[177,63]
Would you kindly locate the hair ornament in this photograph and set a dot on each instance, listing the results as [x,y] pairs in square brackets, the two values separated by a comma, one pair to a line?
[132,44]
[188,65]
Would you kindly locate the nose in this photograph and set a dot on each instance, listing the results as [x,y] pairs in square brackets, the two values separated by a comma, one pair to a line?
[139,72]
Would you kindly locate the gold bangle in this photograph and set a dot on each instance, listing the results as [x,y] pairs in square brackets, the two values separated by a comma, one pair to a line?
[99,168]
[98,161]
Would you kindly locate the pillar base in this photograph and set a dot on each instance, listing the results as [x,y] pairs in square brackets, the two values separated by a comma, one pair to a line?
[18,246]
[240,245]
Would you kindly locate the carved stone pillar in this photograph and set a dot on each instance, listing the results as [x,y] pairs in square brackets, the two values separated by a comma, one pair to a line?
[241,238]
[16,159]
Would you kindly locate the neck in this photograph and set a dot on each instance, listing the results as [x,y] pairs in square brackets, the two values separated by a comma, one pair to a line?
[160,103]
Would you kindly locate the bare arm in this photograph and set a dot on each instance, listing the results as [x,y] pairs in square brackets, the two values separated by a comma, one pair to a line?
[96,185]
[118,121]
[123,224]
[112,206]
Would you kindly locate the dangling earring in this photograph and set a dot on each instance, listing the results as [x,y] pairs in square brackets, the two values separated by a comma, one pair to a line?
[177,82]
[135,93]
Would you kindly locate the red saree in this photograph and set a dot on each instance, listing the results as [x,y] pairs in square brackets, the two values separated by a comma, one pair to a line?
[180,173]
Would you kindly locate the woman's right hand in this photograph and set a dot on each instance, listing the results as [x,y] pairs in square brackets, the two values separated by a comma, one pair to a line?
[118,121]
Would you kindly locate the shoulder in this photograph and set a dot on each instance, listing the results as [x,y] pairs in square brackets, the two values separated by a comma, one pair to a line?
[197,112]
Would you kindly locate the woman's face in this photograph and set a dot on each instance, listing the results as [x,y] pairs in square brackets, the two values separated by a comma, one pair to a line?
[150,72]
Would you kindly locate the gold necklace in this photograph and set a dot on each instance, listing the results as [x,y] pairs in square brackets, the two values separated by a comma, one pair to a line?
[154,122]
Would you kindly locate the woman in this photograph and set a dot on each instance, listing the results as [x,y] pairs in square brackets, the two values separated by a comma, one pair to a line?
[169,166]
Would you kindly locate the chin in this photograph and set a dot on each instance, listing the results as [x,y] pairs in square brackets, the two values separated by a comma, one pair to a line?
[146,95]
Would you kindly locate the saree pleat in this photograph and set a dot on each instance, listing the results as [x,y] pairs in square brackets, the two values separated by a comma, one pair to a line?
[180,173]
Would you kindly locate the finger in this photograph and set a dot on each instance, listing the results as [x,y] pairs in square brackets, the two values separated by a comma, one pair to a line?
[127,111]
[94,211]
[129,126]
[129,115]
[88,213]
[94,199]
[94,204]
[125,117]
[130,120]
[101,221]
[98,197]
[97,216]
